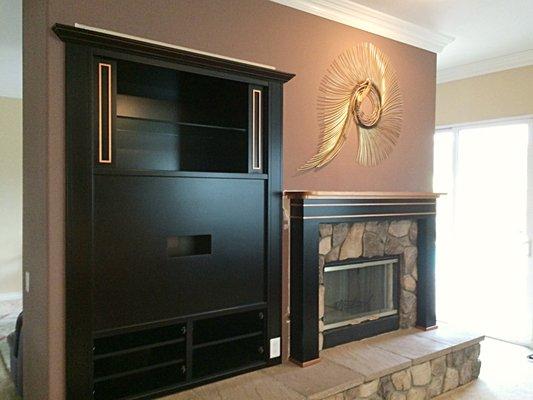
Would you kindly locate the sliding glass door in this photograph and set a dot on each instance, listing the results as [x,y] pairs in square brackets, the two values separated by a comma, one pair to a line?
[483,247]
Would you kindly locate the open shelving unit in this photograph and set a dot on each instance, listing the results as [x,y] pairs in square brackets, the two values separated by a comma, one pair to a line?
[177,121]
[135,363]
[173,236]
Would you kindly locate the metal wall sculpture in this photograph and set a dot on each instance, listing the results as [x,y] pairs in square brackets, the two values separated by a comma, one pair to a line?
[360,88]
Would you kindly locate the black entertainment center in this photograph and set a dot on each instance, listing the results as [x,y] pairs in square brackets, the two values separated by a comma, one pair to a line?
[173,236]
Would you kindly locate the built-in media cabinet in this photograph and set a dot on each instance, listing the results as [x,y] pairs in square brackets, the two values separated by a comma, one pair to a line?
[173,267]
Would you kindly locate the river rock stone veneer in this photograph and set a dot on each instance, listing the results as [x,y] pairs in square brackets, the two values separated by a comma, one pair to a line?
[349,241]
[422,381]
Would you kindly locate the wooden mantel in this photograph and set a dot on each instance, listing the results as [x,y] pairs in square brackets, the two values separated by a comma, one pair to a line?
[319,194]
[308,209]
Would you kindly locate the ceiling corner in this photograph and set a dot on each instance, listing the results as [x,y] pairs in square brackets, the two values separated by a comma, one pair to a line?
[361,17]
[496,64]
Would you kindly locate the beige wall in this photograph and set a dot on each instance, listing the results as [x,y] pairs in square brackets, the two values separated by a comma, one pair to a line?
[256,30]
[498,95]
[10,197]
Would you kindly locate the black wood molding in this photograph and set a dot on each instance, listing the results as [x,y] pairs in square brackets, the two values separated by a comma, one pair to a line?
[87,37]
[307,211]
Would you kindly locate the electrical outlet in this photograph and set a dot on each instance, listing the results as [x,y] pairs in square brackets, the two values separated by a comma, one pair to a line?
[275,347]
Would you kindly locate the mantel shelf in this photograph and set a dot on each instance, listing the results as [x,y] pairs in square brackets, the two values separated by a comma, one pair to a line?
[317,194]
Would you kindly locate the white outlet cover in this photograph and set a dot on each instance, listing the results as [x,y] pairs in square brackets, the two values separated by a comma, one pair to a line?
[275,347]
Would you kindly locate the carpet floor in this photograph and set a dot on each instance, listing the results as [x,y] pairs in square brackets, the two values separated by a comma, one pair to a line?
[506,374]
[9,311]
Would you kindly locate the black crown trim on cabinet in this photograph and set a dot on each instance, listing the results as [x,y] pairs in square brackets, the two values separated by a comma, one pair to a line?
[139,227]
[87,37]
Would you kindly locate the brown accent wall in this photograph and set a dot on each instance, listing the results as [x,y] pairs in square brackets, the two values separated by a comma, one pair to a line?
[257,30]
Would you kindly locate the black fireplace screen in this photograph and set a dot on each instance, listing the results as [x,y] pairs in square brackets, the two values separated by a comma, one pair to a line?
[360,291]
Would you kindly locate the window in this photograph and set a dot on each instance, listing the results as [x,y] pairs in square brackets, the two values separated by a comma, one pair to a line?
[483,278]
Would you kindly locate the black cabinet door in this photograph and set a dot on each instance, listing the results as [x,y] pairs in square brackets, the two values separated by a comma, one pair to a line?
[167,247]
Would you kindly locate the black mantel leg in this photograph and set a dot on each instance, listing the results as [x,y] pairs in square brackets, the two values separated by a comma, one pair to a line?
[426,318]
[304,292]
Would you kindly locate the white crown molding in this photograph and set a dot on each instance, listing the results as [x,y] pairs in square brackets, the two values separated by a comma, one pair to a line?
[361,17]
[497,64]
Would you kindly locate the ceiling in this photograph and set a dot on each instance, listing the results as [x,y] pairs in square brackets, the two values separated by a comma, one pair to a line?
[483,29]
[11,48]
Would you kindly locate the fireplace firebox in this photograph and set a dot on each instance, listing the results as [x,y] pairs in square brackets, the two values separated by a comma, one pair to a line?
[360,291]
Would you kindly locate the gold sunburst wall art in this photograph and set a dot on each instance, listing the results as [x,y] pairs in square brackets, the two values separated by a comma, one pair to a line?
[360,90]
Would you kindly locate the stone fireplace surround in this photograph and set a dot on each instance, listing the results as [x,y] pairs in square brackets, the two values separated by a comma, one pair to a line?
[336,226]
[366,240]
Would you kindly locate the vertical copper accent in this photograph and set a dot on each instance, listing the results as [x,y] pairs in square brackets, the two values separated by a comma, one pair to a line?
[257,129]
[109,133]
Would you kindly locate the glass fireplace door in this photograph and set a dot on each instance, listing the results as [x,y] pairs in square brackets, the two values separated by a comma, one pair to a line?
[359,292]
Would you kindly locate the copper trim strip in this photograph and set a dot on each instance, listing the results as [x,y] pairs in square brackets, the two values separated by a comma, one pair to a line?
[257,129]
[429,328]
[364,215]
[304,364]
[101,158]
[428,203]
[314,194]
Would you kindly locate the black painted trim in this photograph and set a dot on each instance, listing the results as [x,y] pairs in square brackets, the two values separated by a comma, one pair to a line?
[426,315]
[345,334]
[79,225]
[304,263]
[87,37]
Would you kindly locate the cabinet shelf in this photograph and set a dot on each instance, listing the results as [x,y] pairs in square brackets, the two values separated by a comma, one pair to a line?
[139,370]
[138,348]
[227,340]
[181,123]
[228,355]
[134,341]
[154,144]
[178,174]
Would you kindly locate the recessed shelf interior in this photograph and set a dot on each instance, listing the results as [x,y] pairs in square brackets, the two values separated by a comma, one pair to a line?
[145,358]
[217,358]
[139,383]
[179,121]
[136,362]
[133,340]
[228,326]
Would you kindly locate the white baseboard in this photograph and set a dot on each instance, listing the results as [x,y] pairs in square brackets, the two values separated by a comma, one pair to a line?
[10,296]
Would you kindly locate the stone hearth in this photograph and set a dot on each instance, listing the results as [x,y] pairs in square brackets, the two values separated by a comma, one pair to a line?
[404,365]
[351,241]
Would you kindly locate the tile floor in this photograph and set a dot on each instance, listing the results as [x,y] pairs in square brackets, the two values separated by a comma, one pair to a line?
[506,374]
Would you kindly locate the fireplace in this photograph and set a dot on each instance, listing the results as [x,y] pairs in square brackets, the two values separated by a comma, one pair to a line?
[372,266]
[360,291]
[376,268]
